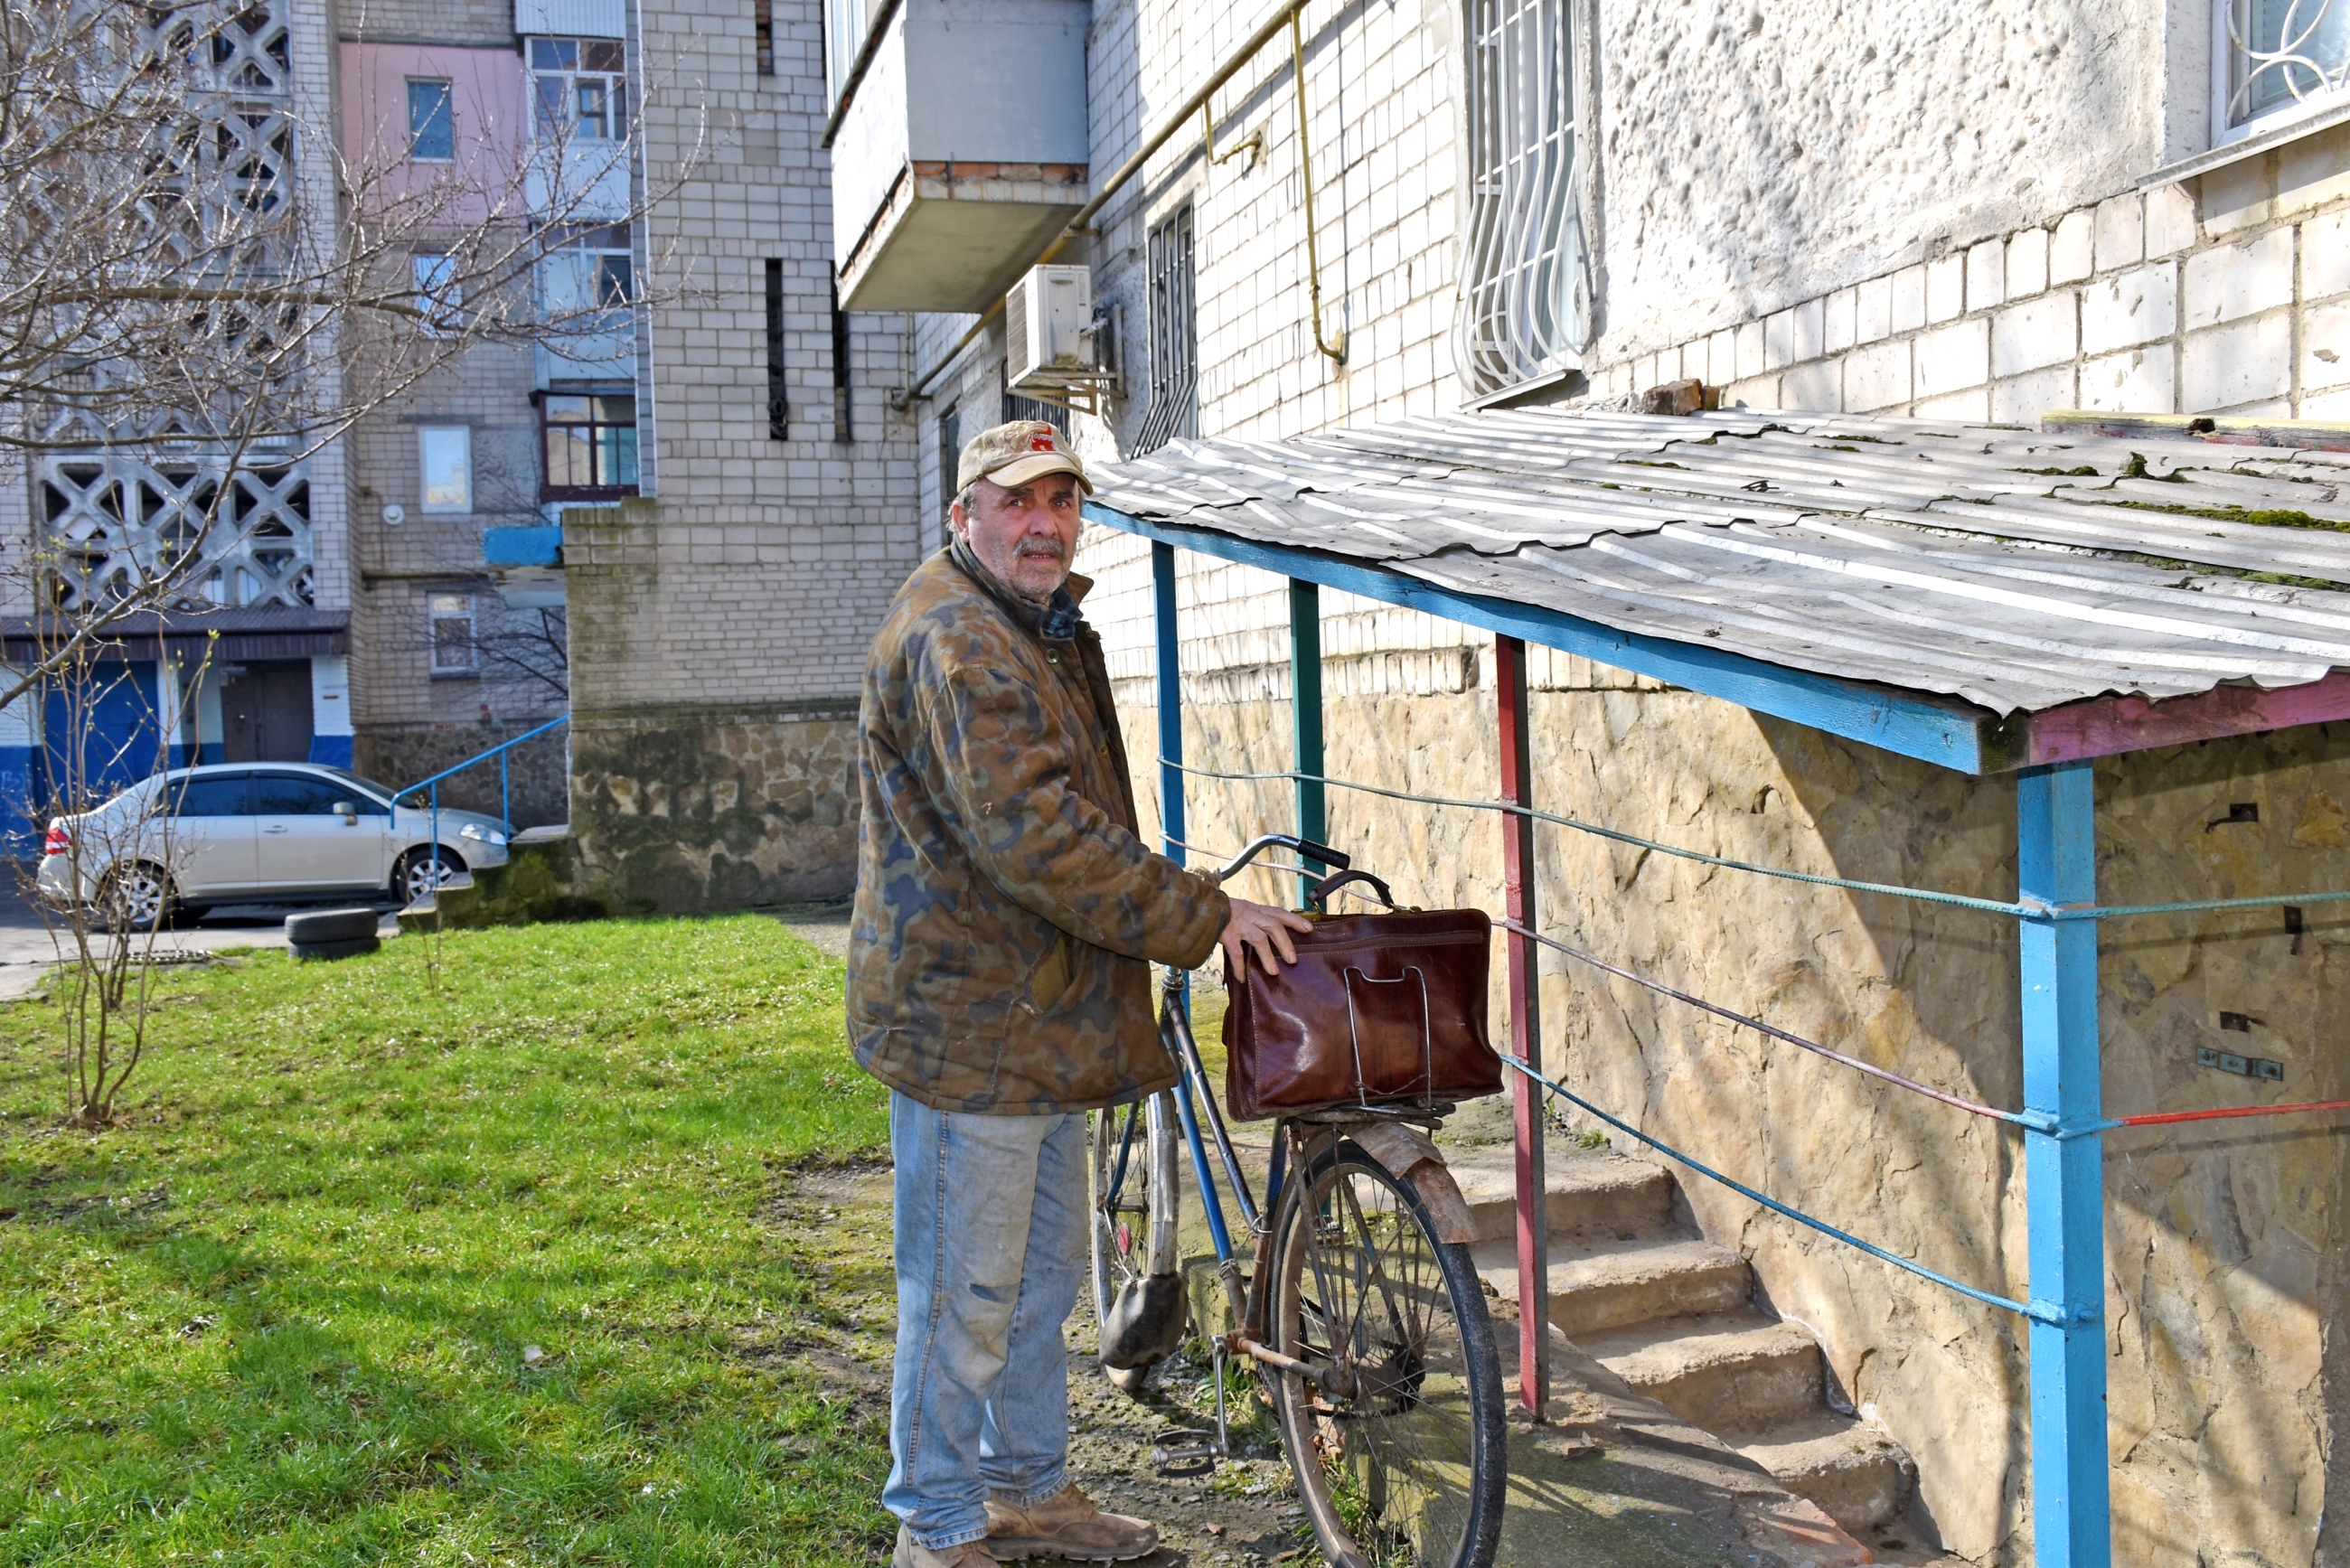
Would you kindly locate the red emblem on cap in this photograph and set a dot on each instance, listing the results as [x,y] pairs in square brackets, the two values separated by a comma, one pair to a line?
[1040,441]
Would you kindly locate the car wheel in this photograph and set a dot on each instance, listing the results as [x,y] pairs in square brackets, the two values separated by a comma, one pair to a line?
[413,881]
[136,897]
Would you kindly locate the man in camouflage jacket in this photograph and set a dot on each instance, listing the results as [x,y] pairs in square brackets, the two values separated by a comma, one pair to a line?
[1007,913]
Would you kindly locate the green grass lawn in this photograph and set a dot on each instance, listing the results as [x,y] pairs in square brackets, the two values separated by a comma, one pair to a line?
[381,1267]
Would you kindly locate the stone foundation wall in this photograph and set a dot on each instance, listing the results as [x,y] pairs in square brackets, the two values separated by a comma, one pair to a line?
[2225,1288]
[678,809]
[398,754]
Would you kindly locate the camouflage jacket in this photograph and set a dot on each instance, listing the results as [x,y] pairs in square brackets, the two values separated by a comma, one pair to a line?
[1006,910]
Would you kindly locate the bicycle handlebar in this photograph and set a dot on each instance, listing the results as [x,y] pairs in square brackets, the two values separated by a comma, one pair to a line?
[1306,847]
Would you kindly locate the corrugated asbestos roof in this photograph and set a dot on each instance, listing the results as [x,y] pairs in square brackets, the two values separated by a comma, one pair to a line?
[2016,570]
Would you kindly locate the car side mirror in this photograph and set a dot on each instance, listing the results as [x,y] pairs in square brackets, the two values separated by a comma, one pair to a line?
[347,812]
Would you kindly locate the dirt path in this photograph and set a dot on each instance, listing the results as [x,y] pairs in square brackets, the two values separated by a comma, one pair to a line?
[1242,1513]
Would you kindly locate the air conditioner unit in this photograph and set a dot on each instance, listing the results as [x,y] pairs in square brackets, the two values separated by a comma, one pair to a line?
[1048,320]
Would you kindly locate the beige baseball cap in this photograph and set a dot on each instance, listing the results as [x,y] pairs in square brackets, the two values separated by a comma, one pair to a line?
[1012,455]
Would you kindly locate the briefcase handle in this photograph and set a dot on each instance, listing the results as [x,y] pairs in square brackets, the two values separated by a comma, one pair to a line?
[1318,896]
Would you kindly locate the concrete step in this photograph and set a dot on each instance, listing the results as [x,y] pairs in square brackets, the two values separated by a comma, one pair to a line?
[1722,1371]
[1857,1475]
[1589,1195]
[1598,1285]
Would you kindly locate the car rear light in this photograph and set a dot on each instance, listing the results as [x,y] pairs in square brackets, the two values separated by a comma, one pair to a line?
[58,841]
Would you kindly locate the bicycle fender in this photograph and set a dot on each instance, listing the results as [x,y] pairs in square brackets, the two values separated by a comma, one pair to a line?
[1408,1152]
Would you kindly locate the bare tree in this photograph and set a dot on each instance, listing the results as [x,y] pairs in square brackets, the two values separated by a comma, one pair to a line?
[194,266]
[209,272]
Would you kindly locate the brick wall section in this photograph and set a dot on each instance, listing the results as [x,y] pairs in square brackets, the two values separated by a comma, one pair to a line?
[719,628]
[469,22]
[2230,295]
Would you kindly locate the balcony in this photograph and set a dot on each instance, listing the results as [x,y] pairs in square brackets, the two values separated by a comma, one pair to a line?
[941,196]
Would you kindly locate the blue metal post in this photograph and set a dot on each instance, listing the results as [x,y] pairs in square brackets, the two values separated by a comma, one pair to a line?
[1170,785]
[1306,714]
[2057,864]
[1170,700]
[505,792]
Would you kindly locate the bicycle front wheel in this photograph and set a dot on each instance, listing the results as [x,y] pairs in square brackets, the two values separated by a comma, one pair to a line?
[1399,1449]
[1131,1166]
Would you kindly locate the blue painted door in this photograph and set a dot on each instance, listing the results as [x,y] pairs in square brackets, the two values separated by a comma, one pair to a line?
[99,734]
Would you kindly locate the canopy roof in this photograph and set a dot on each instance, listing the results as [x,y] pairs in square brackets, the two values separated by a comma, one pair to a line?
[1983,596]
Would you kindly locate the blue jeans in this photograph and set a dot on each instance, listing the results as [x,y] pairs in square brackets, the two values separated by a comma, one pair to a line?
[991,1235]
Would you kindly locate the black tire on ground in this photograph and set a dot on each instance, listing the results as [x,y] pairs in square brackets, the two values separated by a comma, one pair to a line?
[303,952]
[317,926]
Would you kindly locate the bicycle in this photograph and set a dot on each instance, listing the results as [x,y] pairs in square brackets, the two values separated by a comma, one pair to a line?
[1367,1328]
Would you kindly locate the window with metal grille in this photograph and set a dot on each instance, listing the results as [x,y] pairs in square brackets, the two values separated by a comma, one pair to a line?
[2283,56]
[949,465]
[763,34]
[1524,279]
[1174,336]
[1016,407]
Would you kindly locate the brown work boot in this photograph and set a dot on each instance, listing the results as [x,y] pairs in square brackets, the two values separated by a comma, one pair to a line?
[1068,1525]
[969,1554]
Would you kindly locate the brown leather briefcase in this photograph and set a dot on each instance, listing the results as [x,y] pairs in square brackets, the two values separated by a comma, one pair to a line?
[1379,1009]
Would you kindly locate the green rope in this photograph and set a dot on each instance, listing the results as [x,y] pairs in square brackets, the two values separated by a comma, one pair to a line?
[2032,909]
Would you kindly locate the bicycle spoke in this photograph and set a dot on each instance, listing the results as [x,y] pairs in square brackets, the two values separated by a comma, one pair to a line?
[1403,1430]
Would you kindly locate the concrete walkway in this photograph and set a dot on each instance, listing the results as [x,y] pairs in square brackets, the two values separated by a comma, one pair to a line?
[31,946]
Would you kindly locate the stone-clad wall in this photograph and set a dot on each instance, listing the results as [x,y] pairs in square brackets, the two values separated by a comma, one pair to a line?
[695,801]
[2224,1283]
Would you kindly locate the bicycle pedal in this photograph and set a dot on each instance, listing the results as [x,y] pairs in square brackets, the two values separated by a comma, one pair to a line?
[1186,1454]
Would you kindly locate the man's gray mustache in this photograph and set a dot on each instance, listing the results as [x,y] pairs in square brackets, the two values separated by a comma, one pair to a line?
[1052,547]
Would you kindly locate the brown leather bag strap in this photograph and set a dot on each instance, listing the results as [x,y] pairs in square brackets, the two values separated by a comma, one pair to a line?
[1320,895]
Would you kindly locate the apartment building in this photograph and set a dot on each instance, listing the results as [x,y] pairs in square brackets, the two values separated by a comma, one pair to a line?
[681,385]
[1990,212]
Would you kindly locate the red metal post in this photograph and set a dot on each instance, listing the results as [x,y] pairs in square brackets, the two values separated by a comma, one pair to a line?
[1525,1028]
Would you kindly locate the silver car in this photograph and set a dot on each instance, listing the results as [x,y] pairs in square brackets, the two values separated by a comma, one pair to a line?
[249,833]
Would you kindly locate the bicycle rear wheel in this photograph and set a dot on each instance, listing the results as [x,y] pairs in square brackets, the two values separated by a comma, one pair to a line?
[1132,1168]
[1400,1452]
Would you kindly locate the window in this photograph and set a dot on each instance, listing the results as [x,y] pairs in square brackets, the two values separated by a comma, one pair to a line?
[446,453]
[579,87]
[2282,56]
[1523,288]
[306,794]
[1016,407]
[590,268]
[213,794]
[438,294]
[763,34]
[779,407]
[431,130]
[452,634]
[950,464]
[844,403]
[843,36]
[1174,337]
[591,447]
